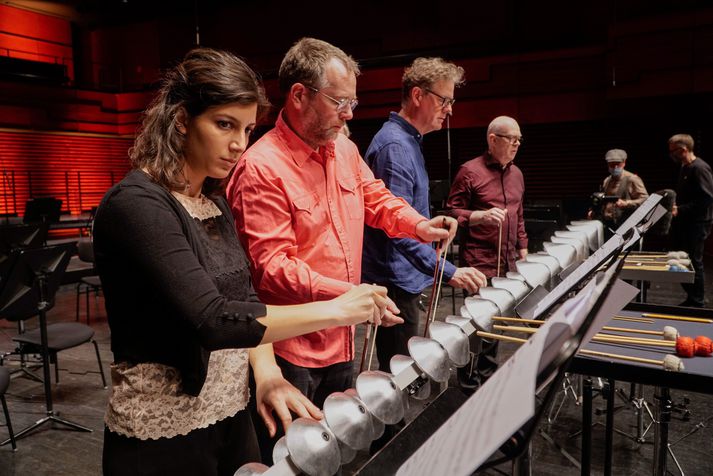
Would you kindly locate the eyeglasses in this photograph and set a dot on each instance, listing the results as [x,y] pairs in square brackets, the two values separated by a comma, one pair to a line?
[343,104]
[445,101]
[512,139]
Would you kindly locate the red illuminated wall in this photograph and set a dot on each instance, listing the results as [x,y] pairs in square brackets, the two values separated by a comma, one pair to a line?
[75,168]
[32,36]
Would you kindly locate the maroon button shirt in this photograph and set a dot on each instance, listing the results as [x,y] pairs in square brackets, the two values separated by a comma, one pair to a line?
[482,183]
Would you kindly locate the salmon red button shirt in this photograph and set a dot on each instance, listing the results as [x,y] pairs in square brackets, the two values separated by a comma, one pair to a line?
[300,215]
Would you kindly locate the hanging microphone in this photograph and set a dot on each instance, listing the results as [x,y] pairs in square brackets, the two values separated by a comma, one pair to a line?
[448,143]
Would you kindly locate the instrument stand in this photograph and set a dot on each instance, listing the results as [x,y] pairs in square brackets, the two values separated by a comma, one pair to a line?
[29,291]
[568,391]
[640,405]
[701,424]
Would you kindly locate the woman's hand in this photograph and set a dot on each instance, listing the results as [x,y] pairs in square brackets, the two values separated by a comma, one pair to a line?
[275,394]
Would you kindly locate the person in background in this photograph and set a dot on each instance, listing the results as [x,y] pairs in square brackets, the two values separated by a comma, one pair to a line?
[628,187]
[185,323]
[486,198]
[403,265]
[692,213]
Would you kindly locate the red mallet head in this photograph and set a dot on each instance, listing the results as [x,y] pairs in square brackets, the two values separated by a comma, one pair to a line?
[685,347]
[704,346]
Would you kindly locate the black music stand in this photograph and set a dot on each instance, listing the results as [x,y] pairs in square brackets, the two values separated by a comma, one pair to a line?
[14,237]
[43,209]
[28,291]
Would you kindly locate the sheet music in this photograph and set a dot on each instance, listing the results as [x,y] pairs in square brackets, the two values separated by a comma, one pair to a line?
[503,404]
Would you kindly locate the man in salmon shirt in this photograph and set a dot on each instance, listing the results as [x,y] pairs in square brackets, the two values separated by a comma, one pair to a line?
[301,196]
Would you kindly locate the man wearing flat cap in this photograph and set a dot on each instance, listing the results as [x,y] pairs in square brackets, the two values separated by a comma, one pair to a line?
[623,184]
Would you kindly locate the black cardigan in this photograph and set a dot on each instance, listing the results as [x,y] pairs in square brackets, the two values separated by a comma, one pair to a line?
[161,304]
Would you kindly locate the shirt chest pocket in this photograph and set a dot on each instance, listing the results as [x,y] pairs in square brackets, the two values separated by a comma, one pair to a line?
[350,188]
[309,217]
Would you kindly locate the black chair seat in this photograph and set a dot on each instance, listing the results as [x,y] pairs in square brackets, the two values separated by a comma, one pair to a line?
[60,336]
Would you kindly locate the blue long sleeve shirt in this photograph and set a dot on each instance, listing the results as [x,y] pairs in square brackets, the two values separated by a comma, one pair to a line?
[395,156]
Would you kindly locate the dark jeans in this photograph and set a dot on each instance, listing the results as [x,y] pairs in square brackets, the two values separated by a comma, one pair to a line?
[218,450]
[394,340]
[691,237]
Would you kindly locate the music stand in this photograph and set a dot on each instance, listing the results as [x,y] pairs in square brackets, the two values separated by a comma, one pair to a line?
[43,209]
[560,349]
[19,236]
[28,291]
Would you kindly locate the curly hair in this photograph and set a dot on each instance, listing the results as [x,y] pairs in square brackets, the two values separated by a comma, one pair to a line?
[425,72]
[306,60]
[205,78]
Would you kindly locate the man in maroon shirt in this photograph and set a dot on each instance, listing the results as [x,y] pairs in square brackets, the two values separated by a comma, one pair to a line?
[486,199]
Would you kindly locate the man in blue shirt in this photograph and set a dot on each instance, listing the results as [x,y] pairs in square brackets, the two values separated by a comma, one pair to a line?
[395,155]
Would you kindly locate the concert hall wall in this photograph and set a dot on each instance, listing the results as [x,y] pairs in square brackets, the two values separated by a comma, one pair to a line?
[624,74]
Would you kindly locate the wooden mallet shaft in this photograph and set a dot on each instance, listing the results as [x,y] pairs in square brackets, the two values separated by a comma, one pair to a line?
[674,363]
[598,337]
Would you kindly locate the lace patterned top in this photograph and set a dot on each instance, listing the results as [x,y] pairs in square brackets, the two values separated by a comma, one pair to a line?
[147,401]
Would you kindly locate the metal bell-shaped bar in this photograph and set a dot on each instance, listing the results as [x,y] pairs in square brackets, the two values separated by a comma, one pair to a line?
[348,419]
[453,339]
[251,469]
[400,362]
[515,275]
[467,326]
[431,357]
[501,297]
[381,395]
[536,274]
[377,426]
[313,447]
[280,451]
[550,261]
[346,453]
[517,288]
[577,235]
[566,254]
[478,307]
[598,225]
[578,242]
[591,232]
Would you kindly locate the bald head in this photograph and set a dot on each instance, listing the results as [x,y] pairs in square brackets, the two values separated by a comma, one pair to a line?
[502,124]
[504,139]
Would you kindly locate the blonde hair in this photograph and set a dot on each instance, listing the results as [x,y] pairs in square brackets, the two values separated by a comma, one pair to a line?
[425,72]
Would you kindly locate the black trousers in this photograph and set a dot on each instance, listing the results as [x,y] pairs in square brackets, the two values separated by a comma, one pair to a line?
[394,340]
[315,383]
[691,237]
[218,450]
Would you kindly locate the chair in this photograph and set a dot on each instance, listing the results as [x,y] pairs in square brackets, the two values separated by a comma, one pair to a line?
[28,291]
[87,284]
[4,383]
[60,336]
